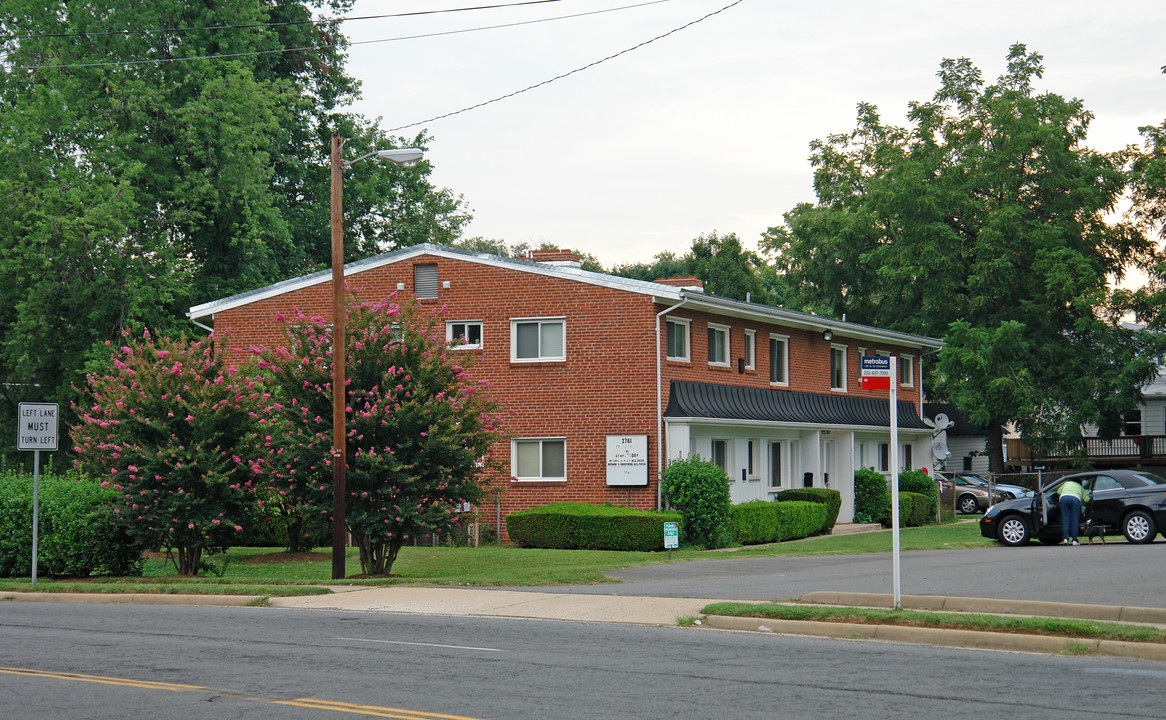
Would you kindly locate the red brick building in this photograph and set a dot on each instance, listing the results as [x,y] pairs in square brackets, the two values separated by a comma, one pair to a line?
[608,378]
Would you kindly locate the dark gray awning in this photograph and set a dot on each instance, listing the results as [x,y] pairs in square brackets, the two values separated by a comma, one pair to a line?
[732,402]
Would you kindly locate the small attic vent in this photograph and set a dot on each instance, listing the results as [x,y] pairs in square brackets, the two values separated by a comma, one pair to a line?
[425,281]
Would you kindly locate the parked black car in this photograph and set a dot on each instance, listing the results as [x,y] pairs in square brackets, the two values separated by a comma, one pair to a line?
[1129,502]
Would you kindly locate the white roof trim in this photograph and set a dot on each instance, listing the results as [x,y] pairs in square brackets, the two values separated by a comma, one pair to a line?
[660,293]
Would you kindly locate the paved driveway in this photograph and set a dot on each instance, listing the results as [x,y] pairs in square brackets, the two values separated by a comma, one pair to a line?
[1113,574]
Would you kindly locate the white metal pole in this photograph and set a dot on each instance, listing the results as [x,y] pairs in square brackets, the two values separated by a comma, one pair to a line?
[895,569]
[35,507]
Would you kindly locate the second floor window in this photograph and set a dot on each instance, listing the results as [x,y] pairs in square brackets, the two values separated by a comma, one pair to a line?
[464,335]
[778,360]
[677,340]
[718,345]
[838,367]
[537,339]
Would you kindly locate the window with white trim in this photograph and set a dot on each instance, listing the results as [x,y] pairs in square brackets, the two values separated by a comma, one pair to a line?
[907,370]
[536,339]
[676,341]
[776,469]
[837,367]
[464,334]
[539,458]
[754,467]
[884,457]
[720,454]
[778,360]
[750,349]
[718,344]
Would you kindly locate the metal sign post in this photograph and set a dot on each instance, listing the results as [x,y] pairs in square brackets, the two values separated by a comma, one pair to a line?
[879,373]
[36,430]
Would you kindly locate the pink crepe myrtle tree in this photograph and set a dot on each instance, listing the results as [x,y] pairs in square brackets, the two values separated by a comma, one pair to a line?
[173,430]
[419,429]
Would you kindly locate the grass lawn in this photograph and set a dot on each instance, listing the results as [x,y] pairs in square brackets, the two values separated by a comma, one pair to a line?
[268,571]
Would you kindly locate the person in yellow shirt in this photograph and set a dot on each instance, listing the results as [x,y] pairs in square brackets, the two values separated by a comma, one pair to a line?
[1073,497]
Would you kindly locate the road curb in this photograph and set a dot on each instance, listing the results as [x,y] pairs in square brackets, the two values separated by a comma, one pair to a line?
[973,639]
[130,598]
[1127,614]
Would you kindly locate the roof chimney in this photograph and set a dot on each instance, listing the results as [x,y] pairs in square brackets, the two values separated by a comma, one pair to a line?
[555,256]
[685,283]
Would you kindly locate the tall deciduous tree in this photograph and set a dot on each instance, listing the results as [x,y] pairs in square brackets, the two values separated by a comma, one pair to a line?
[721,263]
[163,154]
[985,223]
[419,430]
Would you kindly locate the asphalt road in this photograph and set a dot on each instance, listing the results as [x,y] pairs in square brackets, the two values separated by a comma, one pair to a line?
[70,662]
[1113,574]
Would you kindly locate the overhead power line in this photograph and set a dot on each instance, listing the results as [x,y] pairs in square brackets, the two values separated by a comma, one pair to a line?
[323,46]
[284,23]
[566,74]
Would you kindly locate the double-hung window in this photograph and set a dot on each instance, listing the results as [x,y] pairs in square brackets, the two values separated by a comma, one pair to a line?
[906,370]
[677,340]
[718,344]
[838,367]
[536,339]
[464,334]
[750,349]
[778,360]
[539,459]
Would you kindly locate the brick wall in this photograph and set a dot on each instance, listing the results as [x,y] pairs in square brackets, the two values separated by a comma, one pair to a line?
[606,384]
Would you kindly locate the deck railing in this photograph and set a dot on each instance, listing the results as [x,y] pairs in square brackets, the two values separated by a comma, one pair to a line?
[1131,448]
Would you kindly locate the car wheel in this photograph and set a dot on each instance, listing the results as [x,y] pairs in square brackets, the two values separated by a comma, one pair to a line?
[1013,531]
[1138,527]
[968,505]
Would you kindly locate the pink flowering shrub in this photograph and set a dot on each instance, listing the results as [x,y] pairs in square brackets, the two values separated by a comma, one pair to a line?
[170,430]
[418,428]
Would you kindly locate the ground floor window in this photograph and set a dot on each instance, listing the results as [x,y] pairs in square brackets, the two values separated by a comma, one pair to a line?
[720,454]
[540,459]
[776,474]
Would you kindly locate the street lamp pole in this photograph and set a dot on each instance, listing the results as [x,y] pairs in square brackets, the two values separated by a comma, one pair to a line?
[405,157]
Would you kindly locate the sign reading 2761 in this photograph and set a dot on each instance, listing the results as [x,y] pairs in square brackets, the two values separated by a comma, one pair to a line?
[36,426]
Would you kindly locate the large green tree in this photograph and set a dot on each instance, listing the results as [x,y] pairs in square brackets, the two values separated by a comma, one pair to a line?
[721,263]
[159,155]
[986,223]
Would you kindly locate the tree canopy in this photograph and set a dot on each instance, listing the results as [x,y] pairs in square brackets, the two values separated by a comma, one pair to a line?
[163,154]
[986,223]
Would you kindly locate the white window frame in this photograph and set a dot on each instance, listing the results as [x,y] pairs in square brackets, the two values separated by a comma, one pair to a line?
[725,460]
[784,340]
[540,321]
[777,475]
[841,350]
[686,324]
[907,365]
[750,349]
[541,443]
[451,337]
[722,330]
[753,458]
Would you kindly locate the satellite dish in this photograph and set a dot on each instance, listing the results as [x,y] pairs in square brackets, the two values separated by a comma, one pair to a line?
[939,450]
[942,421]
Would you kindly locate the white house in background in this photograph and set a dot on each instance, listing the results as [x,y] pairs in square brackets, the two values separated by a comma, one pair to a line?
[965,441]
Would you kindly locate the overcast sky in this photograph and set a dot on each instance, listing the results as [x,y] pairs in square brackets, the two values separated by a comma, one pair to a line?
[707,129]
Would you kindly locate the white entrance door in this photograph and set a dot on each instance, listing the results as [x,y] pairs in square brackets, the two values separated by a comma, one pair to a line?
[827,463]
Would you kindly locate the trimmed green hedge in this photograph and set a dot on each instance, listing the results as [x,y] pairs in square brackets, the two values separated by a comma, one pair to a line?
[589,527]
[76,533]
[832,499]
[916,509]
[759,521]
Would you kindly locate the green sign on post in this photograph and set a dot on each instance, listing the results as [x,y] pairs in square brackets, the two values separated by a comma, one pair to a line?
[671,537]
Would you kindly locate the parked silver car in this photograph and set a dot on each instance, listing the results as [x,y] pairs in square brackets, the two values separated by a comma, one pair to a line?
[1009,492]
[969,496]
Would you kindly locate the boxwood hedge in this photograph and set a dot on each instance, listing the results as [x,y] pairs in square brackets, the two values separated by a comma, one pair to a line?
[766,522]
[590,527]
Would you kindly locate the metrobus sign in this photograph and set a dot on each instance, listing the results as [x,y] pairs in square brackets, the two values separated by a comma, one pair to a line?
[876,372]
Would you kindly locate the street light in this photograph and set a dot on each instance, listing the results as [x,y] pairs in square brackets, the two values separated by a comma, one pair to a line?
[405,157]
